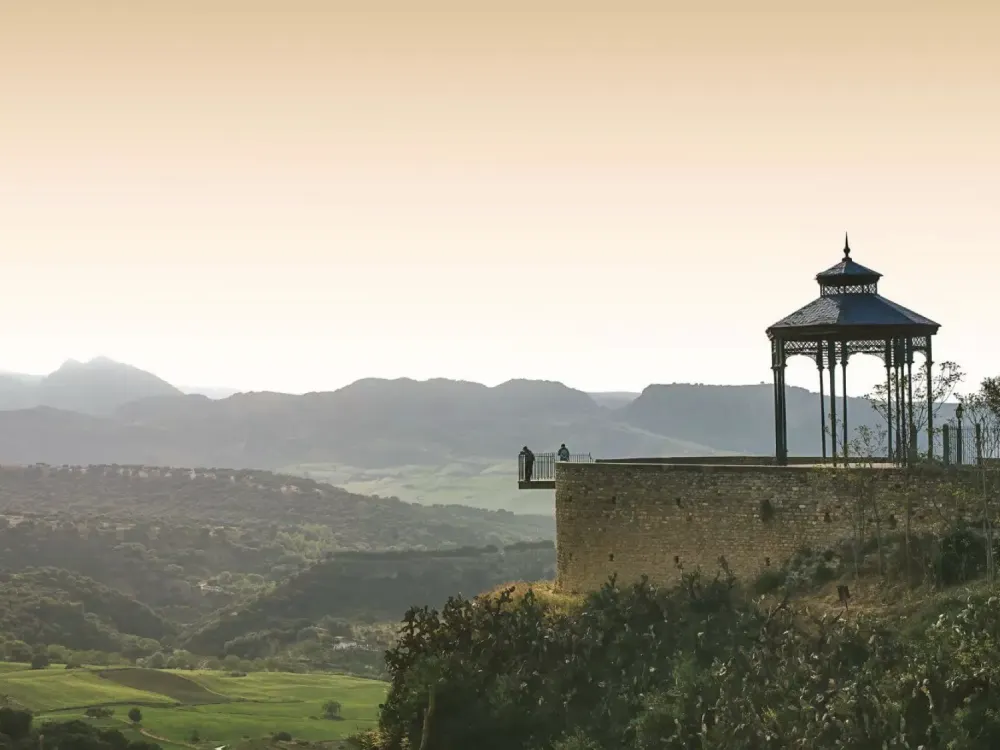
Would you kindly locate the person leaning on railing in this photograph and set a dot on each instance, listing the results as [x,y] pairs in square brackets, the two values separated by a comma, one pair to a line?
[529,462]
[563,453]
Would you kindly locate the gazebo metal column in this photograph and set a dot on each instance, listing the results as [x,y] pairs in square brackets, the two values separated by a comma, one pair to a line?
[903,431]
[899,401]
[911,430]
[888,399]
[778,361]
[822,400]
[929,363]
[844,355]
[832,357]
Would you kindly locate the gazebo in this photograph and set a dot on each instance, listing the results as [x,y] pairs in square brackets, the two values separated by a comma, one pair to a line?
[851,317]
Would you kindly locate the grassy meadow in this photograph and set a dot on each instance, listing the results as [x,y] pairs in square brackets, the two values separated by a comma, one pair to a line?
[198,709]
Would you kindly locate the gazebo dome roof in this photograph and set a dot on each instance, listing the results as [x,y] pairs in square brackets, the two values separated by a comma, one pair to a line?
[849,306]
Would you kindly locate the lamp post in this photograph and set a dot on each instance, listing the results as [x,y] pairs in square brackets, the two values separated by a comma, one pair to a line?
[959,411]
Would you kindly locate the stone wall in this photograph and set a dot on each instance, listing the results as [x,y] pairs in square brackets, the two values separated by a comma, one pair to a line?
[662,519]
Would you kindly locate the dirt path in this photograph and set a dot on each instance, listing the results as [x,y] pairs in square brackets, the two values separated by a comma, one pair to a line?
[155,737]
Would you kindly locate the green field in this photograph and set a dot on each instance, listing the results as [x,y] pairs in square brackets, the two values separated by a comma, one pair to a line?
[222,709]
[57,688]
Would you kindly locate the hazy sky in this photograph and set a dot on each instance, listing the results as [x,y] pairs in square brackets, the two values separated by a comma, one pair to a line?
[283,195]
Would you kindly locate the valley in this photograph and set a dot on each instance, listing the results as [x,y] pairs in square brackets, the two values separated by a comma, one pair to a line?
[275,571]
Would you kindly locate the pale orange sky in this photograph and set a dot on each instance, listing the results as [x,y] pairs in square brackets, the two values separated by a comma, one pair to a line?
[283,195]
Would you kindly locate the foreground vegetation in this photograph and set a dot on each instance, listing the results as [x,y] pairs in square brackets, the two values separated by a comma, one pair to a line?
[200,708]
[707,664]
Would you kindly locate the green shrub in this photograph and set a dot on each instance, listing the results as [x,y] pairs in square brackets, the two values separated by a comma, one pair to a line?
[770,580]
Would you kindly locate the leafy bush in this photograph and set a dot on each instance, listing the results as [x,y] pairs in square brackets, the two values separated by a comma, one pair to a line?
[961,556]
[770,580]
[691,666]
[17,732]
[955,557]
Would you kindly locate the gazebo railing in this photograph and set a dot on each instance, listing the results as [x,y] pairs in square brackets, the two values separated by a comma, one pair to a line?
[544,467]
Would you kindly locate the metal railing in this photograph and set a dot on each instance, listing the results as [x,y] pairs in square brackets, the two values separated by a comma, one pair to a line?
[543,468]
[969,445]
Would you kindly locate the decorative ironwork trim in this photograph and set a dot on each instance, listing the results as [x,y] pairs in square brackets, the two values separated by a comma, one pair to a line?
[818,350]
[829,290]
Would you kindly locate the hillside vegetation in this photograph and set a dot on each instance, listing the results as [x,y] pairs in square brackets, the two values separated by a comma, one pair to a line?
[247,497]
[368,586]
[49,606]
[252,596]
[247,569]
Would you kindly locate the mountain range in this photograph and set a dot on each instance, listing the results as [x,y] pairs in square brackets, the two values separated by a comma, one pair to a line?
[102,412]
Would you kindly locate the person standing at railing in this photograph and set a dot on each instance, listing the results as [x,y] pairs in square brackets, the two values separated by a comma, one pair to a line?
[563,453]
[529,462]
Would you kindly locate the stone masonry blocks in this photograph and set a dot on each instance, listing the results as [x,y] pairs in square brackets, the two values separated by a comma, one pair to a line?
[659,520]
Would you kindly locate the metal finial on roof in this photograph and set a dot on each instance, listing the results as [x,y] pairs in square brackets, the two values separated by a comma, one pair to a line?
[847,247]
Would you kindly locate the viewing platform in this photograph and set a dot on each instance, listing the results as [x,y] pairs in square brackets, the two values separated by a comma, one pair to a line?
[543,471]
[960,446]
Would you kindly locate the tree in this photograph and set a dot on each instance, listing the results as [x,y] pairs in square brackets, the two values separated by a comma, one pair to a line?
[982,409]
[40,660]
[331,710]
[867,447]
[943,384]
[989,391]
[19,651]
[576,741]
[134,715]
[14,723]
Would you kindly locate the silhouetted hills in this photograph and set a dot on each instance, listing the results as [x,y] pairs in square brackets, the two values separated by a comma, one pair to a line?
[102,412]
[95,387]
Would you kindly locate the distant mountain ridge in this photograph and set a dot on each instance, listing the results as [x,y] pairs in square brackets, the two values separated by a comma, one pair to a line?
[96,387]
[104,412]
